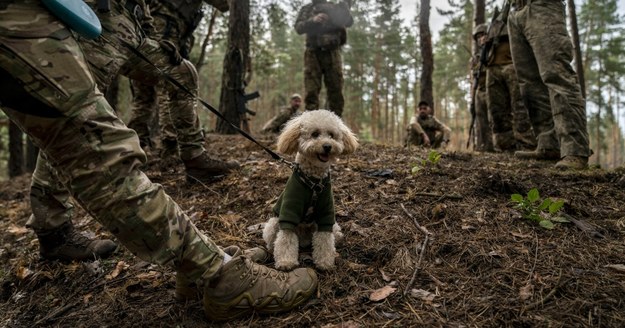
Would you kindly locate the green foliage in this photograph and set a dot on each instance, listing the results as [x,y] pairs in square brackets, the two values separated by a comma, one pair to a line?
[431,161]
[544,212]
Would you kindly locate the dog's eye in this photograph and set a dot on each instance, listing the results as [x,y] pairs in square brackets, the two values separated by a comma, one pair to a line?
[331,135]
[315,134]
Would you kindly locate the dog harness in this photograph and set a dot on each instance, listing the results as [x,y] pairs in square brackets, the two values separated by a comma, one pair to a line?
[305,200]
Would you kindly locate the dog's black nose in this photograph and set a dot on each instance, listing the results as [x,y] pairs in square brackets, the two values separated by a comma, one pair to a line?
[327,148]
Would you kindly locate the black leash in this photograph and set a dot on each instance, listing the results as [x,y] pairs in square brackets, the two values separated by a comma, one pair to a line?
[173,81]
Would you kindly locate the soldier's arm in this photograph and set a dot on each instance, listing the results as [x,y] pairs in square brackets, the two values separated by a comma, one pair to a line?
[350,19]
[304,22]
[443,128]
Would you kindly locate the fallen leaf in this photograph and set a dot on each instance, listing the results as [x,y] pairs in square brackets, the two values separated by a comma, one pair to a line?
[23,273]
[617,267]
[148,275]
[256,227]
[385,277]
[17,230]
[346,324]
[87,298]
[520,235]
[526,292]
[381,293]
[423,295]
[121,266]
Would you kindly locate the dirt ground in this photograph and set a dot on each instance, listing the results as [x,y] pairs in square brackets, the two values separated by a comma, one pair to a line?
[441,245]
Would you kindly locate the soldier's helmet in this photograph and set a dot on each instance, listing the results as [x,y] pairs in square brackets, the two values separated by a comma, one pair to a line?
[479,29]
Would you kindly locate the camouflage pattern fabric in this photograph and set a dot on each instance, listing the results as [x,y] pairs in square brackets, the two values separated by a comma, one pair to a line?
[512,127]
[542,52]
[483,129]
[326,65]
[92,153]
[322,58]
[436,131]
[108,57]
[276,123]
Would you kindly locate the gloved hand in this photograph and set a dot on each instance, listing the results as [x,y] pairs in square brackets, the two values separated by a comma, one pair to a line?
[172,52]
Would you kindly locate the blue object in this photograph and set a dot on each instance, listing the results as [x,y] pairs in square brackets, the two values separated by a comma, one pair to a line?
[77,15]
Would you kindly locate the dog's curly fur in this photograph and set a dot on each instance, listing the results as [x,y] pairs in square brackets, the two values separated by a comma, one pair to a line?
[318,137]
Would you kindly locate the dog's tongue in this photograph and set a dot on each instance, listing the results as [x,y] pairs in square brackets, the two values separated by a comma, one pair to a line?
[323,157]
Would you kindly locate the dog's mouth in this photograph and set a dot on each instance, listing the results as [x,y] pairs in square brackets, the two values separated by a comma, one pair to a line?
[323,157]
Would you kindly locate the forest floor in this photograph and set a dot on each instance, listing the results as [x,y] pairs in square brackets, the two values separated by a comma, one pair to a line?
[441,245]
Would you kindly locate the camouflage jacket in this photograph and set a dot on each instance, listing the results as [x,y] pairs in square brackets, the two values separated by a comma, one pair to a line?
[276,124]
[431,125]
[330,34]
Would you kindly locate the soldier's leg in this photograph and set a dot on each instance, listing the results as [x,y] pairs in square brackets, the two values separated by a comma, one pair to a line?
[312,79]
[95,154]
[534,93]
[144,106]
[482,124]
[332,65]
[553,51]
[51,220]
[168,134]
[499,109]
[521,121]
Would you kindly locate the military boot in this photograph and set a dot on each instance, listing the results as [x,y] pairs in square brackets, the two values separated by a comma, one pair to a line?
[66,244]
[243,287]
[188,290]
[206,169]
[572,163]
[538,154]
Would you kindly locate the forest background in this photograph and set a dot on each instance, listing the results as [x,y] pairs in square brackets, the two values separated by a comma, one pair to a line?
[382,68]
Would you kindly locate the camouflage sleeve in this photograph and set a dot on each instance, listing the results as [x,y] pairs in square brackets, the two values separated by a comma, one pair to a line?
[277,121]
[414,124]
[350,19]
[443,128]
[304,23]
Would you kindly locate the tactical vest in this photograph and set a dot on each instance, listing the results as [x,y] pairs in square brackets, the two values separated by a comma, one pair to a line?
[189,10]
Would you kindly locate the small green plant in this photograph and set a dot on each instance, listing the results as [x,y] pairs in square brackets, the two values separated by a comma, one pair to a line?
[544,212]
[432,160]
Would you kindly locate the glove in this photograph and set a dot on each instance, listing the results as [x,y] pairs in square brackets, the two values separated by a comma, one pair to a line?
[171,50]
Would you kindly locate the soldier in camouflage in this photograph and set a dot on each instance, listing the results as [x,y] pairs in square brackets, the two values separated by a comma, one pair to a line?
[49,92]
[173,21]
[542,52]
[511,124]
[426,130]
[276,123]
[483,131]
[324,24]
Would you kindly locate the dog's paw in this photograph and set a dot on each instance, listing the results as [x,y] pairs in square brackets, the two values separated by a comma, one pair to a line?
[325,265]
[286,265]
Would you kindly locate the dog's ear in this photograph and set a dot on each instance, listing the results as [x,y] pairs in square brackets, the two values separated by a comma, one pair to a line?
[288,141]
[350,141]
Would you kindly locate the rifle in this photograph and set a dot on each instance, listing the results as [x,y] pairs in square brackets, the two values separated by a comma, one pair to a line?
[483,61]
[241,98]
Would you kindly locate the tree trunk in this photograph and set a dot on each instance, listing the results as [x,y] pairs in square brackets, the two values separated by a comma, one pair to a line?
[576,46]
[427,68]
[16,151]
[236,64]
[211,25]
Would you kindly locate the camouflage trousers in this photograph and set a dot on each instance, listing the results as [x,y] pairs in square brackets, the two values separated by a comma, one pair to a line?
[542,53]
[511,124]
[149,101]
[326,65]
[415,137]
[49,92]
[108,57]
[483,132]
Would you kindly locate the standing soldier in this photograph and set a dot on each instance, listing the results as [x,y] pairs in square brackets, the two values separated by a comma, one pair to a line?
[174,21]
[49,92]
[511,124]
[484,136]
[324,24]
[542,53]
[276,124]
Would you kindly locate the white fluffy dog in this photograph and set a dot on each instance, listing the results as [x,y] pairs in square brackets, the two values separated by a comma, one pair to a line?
[304,213]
